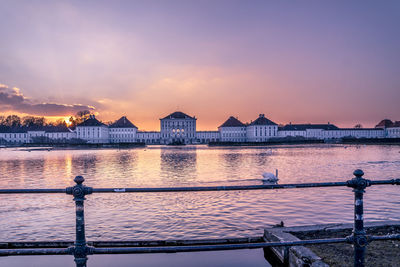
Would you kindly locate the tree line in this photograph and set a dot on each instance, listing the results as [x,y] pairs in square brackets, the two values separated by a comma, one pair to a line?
[34,121]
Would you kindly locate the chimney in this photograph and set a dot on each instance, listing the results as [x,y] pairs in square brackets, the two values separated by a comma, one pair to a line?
[261,115]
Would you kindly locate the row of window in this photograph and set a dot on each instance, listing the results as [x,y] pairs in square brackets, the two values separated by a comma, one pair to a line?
[177,123]
[87,134]
[392,131]
[260,131]
[189,135]
[122,136]
[13,135]
[188,129]
[122,129]
[57,135]
[139,136]
[233,134]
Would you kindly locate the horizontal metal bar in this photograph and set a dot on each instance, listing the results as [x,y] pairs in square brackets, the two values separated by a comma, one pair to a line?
[186,248]
[31,191]
[37,251]
[214,188]
[385,237]
[383,182]
[36,244]
[168,249]
[175,249]
[133,243]
[197,188]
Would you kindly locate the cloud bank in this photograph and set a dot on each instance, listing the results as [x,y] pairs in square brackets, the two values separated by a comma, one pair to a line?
[12,99]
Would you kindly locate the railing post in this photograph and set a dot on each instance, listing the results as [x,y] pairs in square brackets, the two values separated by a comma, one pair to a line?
[286,251]
[359,237]
[80,250]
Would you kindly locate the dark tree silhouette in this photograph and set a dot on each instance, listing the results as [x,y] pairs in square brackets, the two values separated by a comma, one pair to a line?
[12,121]
[82,115]
[31,121]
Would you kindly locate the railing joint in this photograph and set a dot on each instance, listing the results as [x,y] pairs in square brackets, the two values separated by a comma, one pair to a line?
[361,240]
[396,181]
[79,190]
[358,183]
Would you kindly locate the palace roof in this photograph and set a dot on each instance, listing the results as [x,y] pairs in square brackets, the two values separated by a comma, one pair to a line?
[56,129]
[361,129]
[261,120]
[303,127]
[92,121]
[384,124]
[123,122]
[178,115]
[232,122]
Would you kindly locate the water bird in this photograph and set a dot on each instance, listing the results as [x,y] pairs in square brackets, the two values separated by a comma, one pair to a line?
[270,177]
[281,224]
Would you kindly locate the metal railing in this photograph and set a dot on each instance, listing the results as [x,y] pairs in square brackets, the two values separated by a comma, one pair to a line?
[81,248]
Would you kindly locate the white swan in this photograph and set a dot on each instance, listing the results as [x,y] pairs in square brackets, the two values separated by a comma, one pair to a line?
[270,177]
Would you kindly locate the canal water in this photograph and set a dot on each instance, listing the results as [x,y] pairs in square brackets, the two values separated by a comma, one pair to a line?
[190,215]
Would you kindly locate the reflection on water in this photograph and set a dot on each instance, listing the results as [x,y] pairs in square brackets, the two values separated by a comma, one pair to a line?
[191,214]
[179,165]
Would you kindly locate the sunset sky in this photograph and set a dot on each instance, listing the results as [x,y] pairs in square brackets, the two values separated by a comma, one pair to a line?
[300,62]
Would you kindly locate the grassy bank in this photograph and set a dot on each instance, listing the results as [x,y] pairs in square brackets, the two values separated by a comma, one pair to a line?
[379,253]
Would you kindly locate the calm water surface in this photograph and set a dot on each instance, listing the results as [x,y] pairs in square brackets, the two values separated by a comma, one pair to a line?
[193,214]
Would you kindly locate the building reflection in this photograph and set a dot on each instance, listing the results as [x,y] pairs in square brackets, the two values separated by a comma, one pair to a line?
[232,159]
[68,164]
[179,163]
[12,171]
[262,158]
[125,159]
[85,164]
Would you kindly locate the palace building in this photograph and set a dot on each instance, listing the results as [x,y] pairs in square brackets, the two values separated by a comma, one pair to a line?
[123,131]
[180,128]
[232,130]
[93,131]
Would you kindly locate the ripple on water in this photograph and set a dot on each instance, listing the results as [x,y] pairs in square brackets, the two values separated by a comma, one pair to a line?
[191,214]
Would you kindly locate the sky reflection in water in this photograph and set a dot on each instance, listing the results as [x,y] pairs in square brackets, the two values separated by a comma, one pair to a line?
[190,215]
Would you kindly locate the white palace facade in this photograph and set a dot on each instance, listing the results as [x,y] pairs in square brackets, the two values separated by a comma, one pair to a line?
[180,128]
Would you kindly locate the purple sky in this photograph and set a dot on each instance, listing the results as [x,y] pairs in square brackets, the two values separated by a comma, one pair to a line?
[304,61]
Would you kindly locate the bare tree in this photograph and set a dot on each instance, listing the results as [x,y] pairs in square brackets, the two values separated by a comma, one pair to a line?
[40,121]
[82,116]
[30,121]
[13,121]
[73,122]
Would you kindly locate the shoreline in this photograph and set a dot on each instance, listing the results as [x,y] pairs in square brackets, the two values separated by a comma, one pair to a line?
[296,143]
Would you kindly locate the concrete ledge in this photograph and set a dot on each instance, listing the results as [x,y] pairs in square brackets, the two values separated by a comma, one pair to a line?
[294,256]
